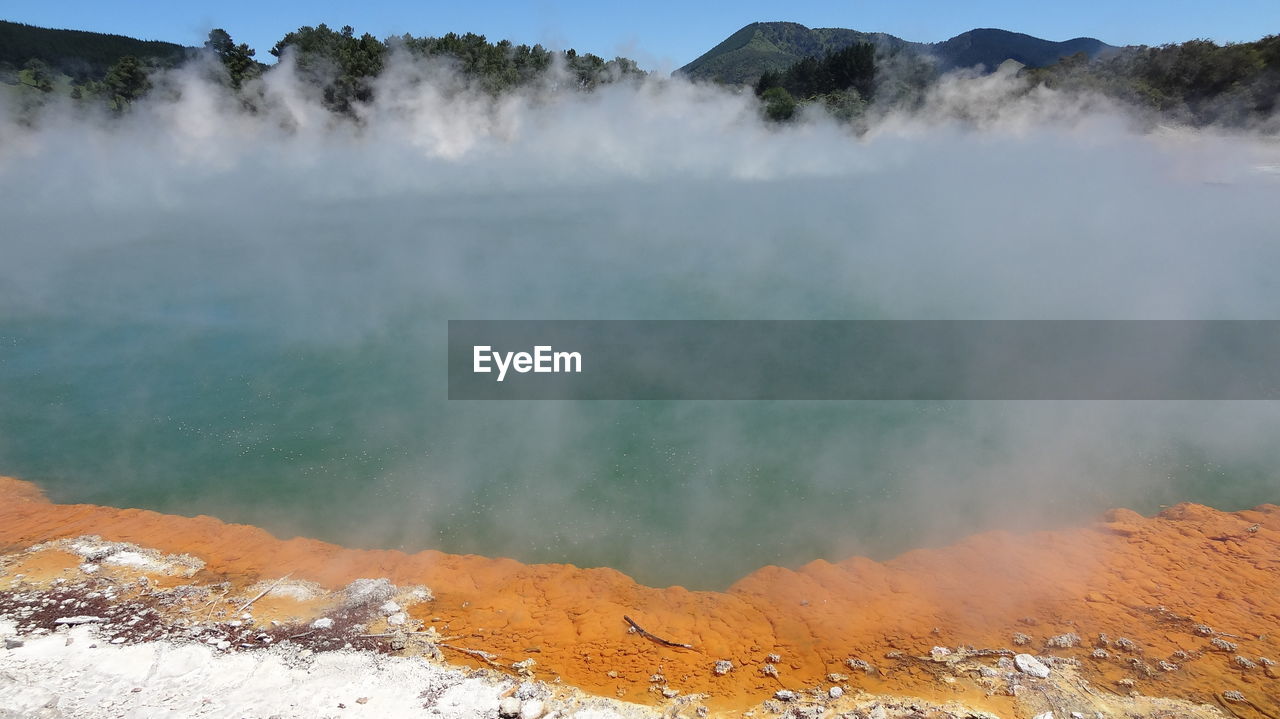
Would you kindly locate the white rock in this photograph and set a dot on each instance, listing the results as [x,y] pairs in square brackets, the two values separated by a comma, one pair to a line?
[322,623]
[835,692]
[532,709]
[723,667]
[72,621]
[118,640]
[939,653]
[509,708]
[397,619]
[784,695]
[224,645]
[1046,715]
[1028,664]
[367,592]
[24,700]
[389,608]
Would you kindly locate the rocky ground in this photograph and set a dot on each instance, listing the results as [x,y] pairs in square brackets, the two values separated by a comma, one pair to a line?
[1176,615]
[123,633]
[109,629]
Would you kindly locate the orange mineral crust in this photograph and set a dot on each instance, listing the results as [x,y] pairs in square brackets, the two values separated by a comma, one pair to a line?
[1185,604]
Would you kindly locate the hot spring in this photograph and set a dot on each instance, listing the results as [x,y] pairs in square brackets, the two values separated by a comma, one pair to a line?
[205,312]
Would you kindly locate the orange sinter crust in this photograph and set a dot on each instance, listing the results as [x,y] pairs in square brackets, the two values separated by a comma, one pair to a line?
[1168,585]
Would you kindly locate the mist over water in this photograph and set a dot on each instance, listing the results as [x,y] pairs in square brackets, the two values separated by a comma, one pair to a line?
[209,311]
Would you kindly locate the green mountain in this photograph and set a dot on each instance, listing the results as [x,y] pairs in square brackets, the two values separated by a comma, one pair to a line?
[991,47]
[762,46]
[80,54]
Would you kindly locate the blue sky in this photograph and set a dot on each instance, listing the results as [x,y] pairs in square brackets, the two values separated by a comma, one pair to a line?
[659,33]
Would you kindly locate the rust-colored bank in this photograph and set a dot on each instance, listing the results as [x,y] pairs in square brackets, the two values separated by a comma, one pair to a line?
[1152,593]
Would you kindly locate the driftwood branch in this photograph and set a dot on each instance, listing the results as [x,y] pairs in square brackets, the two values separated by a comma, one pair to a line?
[263,593]
[385,635]
[212,605]
[482,656]
[654,638]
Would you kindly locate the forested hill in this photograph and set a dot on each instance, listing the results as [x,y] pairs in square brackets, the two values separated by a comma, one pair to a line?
[990,47]
[848,72]
[38,65]
[80,54]
[764,46]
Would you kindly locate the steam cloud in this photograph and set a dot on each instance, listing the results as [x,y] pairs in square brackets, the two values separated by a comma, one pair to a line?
[208,310]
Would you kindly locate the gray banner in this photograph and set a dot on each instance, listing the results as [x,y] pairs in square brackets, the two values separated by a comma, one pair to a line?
[856,359]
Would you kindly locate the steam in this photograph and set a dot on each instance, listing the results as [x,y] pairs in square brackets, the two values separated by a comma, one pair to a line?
[210,310]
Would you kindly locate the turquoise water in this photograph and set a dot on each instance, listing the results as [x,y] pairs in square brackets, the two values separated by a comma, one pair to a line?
[279,360]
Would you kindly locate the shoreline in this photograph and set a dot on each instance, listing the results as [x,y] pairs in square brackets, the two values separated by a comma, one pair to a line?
[1136,609]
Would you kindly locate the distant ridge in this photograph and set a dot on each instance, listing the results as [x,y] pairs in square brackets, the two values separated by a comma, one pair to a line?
[79,53]
[990,47]
[762,46]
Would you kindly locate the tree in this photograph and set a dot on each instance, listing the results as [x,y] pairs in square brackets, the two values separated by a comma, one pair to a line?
[844,81]
[36,74]
[237,59]
[853,67]
[806,78]
[496,67]
[1197,81]
[35,85]
[768,80]
[126,81]
[779,106]
[343,64]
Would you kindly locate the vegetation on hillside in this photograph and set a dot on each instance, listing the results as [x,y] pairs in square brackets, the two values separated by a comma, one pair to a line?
[343,66]
[845,71]
[236,60]
[501,66]
[990,47]
[844,80]
[775,46]
[1198,82]
[78,54]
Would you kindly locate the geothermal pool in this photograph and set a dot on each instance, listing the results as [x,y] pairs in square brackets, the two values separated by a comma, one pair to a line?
[252,326]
